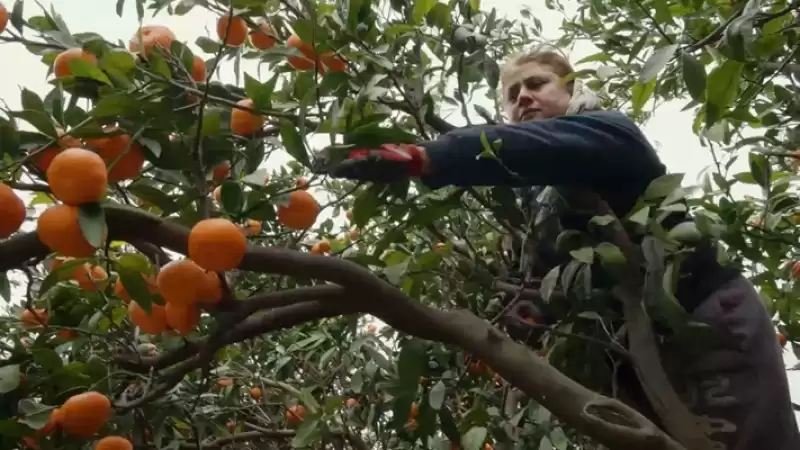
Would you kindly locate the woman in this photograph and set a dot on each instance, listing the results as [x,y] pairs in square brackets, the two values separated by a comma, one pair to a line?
[557,137]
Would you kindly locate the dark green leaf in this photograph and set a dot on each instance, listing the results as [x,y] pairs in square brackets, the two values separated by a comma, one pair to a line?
[293,143]
[136,286]
[92,220]
[9,378]
[436,396]
[411,363]
[656,63]
[723,84]
[663,186]
[694,75]
[232,197]
[474,438]
[5,287]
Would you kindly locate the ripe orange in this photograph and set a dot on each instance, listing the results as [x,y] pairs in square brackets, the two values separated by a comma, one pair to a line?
[264,37]
[255,392]
[301,211]
[334,63]
[217,245]
[90,278]
[59,230]
[3,17]
[321,247]
[121,292]
[224,382]
[42,159]
[85,414]
[34,318]
[305,62]
[245,123]
[182,318]
[152,36]
[413,412]
[222,171]
[199,72]
[301,183]
[231,426]
[295,414]
[178,281]
[13,211]
[232,30]
[796,269]
[124,165]
[77,176]
[113,443]
[210,289]
[476,367]
[153,323]
[67,334]
[61,67]
[251,228]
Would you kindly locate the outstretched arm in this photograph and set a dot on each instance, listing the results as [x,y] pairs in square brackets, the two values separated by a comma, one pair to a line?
[600,150]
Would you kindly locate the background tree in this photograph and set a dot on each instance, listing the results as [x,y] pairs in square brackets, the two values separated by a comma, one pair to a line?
[118,334]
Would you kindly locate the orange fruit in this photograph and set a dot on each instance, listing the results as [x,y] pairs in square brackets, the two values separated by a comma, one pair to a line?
[53,422]
[58,229]
[231,426]
[124,165]
[438,246]
[61,63]
[13,211]
[301,183]
[243,122]
[295,414]
[413,412]
[199,72]
[85,414]
[182,318]
[42,158]
[305,62]
[264,37]
[334,63]
[77,176]
[113,443]
[222,171]
[90,278]
[252,227]
[476,367]
[67,334]
[153,323]
[3,17]
[209,289]
[321,247]
[34,318]
[217,245]
[255,392]
[232,30]
[224,382]
[121,292]
[179,281]
[151,36]
[300,212]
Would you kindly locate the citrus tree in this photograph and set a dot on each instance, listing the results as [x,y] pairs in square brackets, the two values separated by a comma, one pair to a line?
[180,290]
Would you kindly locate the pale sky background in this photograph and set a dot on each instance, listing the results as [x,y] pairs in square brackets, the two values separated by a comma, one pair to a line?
[670,129]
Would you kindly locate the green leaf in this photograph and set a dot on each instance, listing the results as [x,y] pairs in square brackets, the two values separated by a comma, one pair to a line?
[366,206]
[474,438]
[308,433]
[84,69]
[31,102]
[395,272]
[436,396]
[40,120]
[760,169]
[207,45]
[657,61]
[421,8]
[34,414]
[583,254]
[5,287]
[9,378]
[663,186]
[723,84]
[293,143]
[609,253]
[135,262]
[232,197]
[411,363]
[63,272]
[694,75]
[117,104]
[92,220]
[685,232]
[641,93]
[47,358]
[136,286]
[549,283]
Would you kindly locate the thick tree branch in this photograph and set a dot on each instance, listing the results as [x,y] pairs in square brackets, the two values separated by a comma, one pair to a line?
[362,291]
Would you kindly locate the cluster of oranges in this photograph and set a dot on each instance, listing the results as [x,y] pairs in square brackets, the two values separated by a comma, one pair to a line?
[82,416]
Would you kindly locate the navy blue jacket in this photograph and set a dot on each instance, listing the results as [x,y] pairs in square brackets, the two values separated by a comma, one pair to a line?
[603,151]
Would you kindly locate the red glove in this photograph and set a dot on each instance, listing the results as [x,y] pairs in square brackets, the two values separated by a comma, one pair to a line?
[389,162]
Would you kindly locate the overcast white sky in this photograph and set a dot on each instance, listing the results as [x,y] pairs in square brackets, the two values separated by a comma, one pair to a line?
[670,130]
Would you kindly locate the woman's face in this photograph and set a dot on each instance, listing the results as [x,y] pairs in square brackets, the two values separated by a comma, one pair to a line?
[532,91]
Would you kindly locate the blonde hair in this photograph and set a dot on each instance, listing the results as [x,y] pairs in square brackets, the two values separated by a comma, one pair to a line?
[546,55]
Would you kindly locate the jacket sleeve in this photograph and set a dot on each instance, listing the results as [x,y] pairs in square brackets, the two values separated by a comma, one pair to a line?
[602,149]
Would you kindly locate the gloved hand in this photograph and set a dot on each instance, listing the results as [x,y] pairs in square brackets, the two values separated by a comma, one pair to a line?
[385,164]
